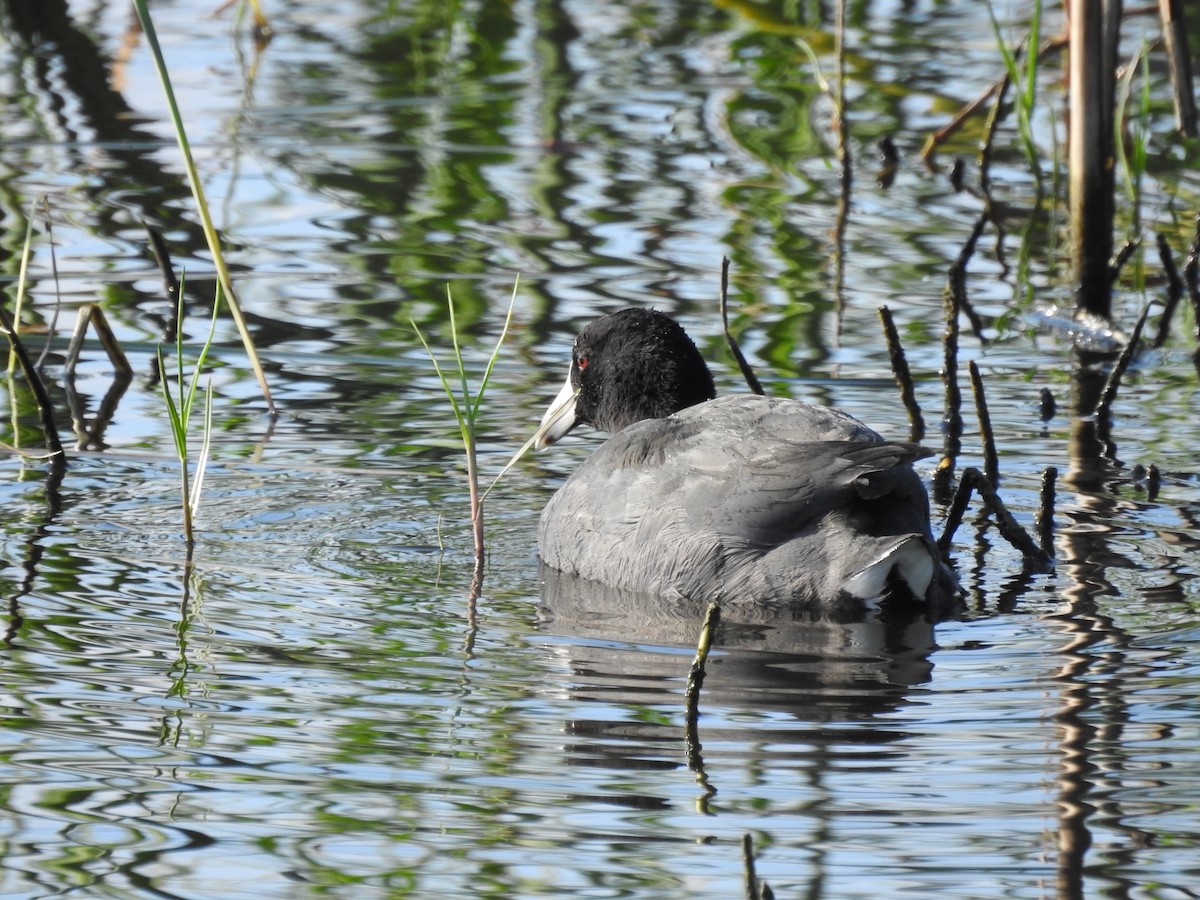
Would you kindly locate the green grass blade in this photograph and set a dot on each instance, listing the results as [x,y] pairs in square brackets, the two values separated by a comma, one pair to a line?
[468,406]
[210,231]
[205,449]
[198,368]
[487,373]
[1024,89]
[1029,93]
[178,429]
[446,386]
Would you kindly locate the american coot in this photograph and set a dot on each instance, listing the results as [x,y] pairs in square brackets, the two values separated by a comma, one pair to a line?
[740,498]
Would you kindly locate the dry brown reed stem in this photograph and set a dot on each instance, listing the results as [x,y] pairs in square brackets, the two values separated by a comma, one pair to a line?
[991,462]
[1010,529]
[1044,520]
[748,867]
[1175,36]
[989,136]
[695,679]
[904,380]
[476,529]
[41,395]
[747,372]
[1174,292]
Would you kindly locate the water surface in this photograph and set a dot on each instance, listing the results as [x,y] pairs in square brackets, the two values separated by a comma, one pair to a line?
[315,709]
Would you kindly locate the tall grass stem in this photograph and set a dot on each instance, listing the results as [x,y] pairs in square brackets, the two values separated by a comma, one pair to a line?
[210,231]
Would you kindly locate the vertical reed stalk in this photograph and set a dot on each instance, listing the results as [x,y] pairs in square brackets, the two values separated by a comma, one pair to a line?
[1093,35]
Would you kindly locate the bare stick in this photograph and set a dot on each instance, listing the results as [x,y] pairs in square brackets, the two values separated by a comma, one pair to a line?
[752,889]
[1122,257]
[747,372]
[695,679]
[1010,529]
[1104,406]
[691,722]
[1044,520]
[170,283]
[904,380]
[989,135]
[45,407]
[991,462]
[1174,291]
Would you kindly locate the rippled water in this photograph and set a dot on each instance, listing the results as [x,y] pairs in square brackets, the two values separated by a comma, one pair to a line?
[315,709]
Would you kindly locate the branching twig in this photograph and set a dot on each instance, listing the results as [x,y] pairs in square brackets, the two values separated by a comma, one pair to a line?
[1010,529]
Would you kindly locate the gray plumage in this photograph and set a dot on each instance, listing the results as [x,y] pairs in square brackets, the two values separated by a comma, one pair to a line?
[746,498]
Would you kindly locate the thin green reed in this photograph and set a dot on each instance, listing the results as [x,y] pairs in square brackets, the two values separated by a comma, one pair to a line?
[179,412]
[206,221]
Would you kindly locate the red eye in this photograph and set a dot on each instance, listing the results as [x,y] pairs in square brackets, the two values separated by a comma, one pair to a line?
[582,363]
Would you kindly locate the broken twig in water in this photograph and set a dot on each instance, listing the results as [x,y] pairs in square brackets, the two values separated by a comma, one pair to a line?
[1044,520]
[1103,410]
[162,257]
[747,372]
[695,679]
[1174,292]
[904,380]
[1122,257]
[41,395]
[754,890]
[991,462]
